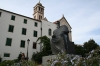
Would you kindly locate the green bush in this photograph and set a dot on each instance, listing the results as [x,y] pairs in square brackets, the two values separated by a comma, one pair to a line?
[24,63]
[7,62]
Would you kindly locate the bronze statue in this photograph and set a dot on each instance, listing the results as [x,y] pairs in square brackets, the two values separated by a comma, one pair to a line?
[60,40]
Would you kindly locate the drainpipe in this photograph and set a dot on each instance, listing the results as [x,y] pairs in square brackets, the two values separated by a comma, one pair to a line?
[41,36]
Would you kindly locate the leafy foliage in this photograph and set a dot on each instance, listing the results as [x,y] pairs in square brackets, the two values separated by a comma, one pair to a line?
[86,48]
[4,63]
[8,62]
[90,45]
[29,63]
[46,44]
[13,63]
[45,51]
[79,50]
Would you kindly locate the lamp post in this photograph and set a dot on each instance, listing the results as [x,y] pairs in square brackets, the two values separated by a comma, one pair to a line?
[27,48]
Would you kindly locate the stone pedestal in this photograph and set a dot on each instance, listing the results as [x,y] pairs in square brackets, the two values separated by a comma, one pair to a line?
[45,58]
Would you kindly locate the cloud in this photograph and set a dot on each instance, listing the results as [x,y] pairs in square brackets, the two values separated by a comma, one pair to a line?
[83,27]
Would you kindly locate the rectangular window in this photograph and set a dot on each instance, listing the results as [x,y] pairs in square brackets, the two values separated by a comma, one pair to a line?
[0,14]
[8,41]
[35,33]
[24,31]
[22,44]
[35,24]
[34,45]
[11,28]
[25,21]
[6,54]
[12,17]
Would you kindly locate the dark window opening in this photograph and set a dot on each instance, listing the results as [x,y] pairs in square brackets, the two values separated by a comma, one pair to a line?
[8,41]
[49,32]
[12,17]
[36,24]
[41,17]
[34,17]
[34,45]
[23,31]
[39,8]
[0,14]
[25,21]
[11,28]
[36,8]
[35,33]
[22,44]
[6,54]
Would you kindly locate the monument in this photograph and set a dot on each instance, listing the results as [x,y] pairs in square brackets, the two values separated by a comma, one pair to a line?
[60,40]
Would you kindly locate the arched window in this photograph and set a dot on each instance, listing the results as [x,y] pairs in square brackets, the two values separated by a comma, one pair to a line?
[39,17]
[36,8]
[49,32]
[39,8]
[34,17]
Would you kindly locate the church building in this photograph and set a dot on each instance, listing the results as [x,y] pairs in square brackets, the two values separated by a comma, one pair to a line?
[16,29]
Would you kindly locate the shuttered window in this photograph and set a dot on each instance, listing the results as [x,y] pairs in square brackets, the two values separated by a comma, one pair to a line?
[8,41]
[23,31]
[49,32]
[35,33]
[0,14]
[34,45]
[22,44]
[6,54]
[11,28]
[25,21]
[12,17]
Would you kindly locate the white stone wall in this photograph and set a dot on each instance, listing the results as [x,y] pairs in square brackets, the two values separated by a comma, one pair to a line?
[15,49]
[45,26]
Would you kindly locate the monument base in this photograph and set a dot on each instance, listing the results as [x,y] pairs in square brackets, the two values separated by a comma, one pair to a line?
[46,58]
[71,48]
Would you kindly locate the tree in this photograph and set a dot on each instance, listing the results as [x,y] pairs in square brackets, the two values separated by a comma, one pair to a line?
[45,51]
[46,44]
[79,50]
[90,45]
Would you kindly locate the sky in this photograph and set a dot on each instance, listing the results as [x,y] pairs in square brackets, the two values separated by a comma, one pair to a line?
[82,15]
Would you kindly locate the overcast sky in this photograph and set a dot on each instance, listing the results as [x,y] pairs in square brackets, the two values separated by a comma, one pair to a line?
[82,15]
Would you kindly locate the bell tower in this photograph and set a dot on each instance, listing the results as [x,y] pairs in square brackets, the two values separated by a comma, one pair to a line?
[38,11]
